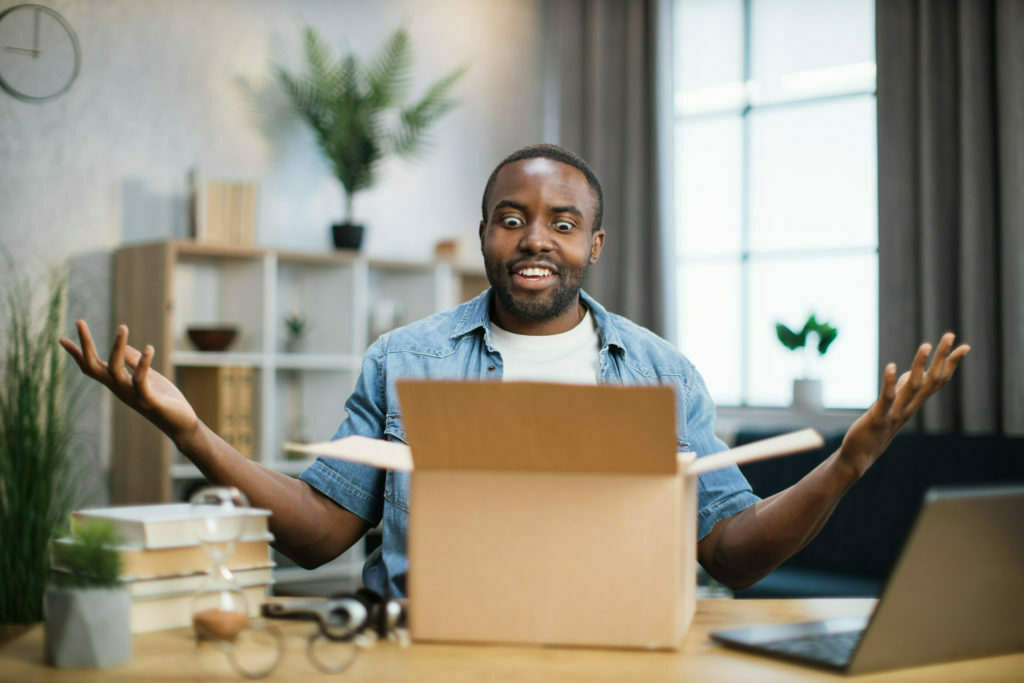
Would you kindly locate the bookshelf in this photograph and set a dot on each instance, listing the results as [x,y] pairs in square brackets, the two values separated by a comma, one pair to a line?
[162,288]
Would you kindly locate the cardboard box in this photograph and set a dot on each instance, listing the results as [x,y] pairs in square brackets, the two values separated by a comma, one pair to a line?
[548,514]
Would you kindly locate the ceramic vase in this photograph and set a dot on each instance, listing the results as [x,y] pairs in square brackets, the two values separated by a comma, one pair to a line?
[88,628]
[807,395]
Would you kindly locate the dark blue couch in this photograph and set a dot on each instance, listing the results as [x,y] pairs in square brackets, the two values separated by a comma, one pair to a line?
[861,541]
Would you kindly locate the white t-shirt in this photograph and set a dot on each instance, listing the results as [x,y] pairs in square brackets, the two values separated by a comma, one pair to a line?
[570,357]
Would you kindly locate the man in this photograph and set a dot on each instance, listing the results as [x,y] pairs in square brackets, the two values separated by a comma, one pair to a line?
[540,232]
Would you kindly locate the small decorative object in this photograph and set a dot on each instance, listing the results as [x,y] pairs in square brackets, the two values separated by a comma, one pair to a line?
[296,328]
[214,338]
[356,112]
[88,610]
[220,611]
[807,392]
[41,57]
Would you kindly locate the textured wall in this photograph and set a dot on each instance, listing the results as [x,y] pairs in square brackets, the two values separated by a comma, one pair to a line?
[169,85]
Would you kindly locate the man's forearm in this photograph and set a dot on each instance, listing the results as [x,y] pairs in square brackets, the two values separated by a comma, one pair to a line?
[755,541]
[301,517]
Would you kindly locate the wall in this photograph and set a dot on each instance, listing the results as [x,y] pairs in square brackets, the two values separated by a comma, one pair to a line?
[165,86]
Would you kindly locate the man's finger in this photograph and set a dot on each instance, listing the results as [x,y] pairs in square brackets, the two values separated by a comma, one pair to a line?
[132,356]
[142,372]
[888,393]
[115,367]
[92,361]
[914,381]
[73,351]
[938,365]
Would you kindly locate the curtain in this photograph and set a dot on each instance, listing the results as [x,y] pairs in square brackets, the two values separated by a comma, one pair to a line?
[607,67]
[951,199]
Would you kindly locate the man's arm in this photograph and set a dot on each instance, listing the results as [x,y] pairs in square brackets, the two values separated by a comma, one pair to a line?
[744,548]
[308,527]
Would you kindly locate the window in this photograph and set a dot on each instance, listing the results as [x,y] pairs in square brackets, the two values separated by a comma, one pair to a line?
[776,193]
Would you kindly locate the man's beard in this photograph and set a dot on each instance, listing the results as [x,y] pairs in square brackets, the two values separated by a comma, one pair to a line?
[539,306]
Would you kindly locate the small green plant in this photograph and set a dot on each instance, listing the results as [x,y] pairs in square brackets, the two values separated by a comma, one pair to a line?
[91,560]
[356,111]
[296,326]
[823,332]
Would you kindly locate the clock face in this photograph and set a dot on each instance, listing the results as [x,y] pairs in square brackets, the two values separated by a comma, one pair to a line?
[39,55]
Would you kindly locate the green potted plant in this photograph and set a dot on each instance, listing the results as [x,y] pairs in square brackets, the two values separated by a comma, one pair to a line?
[88,609]
[358,115]
[807,390]
[38,465]
[296,327]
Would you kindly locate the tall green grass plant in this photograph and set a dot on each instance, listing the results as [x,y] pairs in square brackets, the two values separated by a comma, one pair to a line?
[37,467]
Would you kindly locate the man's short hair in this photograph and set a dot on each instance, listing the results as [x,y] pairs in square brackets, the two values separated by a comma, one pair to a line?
[555,153]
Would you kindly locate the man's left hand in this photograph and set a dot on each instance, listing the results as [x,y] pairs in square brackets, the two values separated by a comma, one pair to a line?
[898,402]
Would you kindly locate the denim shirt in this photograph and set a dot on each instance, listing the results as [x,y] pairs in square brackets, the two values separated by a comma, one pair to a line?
[456,345]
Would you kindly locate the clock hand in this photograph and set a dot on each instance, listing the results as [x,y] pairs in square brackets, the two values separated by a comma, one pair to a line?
[35,35]
[24,51]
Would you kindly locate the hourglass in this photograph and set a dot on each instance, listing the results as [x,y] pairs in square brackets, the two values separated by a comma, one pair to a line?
[219,608]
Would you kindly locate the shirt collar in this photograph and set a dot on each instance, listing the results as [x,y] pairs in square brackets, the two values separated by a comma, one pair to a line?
[476,315]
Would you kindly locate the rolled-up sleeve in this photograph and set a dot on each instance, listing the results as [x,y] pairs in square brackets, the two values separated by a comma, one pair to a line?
[357,488]
[720,493]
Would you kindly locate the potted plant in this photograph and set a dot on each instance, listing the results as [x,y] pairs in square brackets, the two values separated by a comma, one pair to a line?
[88,609]
[356,112]
[296,327]
[38,468]
[807,391]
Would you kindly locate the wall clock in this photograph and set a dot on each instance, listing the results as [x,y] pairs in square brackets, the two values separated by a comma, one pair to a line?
[39,53]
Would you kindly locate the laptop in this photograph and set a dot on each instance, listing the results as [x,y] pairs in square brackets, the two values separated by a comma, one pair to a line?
[956,592]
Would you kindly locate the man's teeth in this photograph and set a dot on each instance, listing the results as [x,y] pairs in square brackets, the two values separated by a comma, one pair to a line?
[534,272]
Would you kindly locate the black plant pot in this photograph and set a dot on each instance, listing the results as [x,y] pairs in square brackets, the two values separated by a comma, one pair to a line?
[347,235]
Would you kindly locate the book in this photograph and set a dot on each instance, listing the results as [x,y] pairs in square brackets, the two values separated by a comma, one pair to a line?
[138,562]
[175,611]
[190,582]
[167,525]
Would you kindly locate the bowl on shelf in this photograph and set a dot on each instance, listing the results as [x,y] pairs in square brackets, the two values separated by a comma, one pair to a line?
[212,338]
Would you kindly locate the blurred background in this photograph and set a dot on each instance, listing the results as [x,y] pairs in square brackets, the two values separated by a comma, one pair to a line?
[763,161]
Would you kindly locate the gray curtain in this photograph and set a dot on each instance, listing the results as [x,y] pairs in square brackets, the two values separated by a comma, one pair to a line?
[951,199]
[606,113]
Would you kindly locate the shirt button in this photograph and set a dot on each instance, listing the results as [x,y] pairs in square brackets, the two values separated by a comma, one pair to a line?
[490,368]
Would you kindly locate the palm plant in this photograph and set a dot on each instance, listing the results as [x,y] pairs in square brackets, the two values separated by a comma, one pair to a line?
[37,469]
[357,111]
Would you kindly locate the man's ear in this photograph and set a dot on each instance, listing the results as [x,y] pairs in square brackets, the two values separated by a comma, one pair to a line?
[596,244]
[483,226]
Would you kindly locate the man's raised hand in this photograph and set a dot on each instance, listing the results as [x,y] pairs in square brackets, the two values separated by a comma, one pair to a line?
[129,376]
[899,400]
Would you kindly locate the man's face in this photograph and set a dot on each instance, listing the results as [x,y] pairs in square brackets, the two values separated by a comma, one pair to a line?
[537,241]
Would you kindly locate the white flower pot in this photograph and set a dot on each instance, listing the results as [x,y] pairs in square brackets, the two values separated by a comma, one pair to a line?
[807,395]
[88,628]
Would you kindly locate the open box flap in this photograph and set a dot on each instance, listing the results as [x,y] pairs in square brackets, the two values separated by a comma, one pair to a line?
[784,444]
[540,427]
[384,455]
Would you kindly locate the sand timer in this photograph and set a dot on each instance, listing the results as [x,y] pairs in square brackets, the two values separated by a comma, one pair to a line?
[219,608]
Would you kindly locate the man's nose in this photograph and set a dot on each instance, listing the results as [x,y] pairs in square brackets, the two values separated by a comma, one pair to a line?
[536,237]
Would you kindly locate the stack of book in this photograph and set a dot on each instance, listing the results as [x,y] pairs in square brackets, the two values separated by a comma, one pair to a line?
[222,397]
[223,211]
[163,565]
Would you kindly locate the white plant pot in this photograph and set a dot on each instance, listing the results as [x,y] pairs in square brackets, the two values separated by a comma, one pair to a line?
[807,395]
[88,628]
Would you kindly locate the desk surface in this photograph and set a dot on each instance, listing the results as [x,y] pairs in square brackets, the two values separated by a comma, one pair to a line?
[174,656]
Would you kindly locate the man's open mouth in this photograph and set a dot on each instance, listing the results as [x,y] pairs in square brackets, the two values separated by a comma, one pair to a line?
[534,277]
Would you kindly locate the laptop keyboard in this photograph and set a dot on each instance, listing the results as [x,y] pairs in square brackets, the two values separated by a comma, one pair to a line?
[830,649]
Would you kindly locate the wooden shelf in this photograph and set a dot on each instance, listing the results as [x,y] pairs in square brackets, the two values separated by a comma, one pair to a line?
[164,287]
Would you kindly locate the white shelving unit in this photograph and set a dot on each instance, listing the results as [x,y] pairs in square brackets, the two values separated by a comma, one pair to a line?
[162,289]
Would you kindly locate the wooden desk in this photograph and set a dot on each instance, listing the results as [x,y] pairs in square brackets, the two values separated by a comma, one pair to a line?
[174,656]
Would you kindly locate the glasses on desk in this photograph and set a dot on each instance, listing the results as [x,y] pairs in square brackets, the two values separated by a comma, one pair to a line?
[345,624]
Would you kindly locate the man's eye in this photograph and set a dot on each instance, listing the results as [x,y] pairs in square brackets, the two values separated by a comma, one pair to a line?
[564,226]
[511,222]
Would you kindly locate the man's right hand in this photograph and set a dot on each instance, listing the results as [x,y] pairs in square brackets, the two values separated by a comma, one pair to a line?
[129,376]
